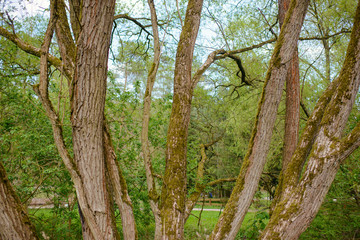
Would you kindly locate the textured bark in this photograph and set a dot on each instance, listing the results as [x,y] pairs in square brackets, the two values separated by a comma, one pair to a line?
[87,114]
[75,16]
[301,202]
[14,221]
[67,51]
[174,186]
[65,41]
[292,102]
[145,144]
[67,66]
[230,221]
[119,189]
[292,114]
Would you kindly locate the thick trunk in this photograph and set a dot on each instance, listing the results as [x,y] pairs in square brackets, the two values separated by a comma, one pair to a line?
[300,203]
[67,51]
[230,221]
[87,114]
[14,221]
[173,193]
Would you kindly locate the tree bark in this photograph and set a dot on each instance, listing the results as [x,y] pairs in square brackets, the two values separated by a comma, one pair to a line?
[14,221]
[87,113]
[292,114]
[292,102]
[230,221]
[300,203]
[173,195]
[119,189]
[145,144]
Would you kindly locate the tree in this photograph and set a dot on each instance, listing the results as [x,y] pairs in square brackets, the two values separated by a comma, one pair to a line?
[83,43]
[93,153]
[14,221]
[325,147]
[247,182]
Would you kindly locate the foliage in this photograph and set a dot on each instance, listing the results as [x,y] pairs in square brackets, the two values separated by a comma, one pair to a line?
[221,109]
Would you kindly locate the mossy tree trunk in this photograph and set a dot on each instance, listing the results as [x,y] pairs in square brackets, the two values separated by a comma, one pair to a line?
[173,195]
[292,102]
[240,200]
[301,201]
[14,221]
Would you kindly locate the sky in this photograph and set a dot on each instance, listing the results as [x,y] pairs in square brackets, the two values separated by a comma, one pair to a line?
[24,8]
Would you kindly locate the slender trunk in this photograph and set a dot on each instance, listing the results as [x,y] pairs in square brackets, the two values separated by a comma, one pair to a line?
[87,113]
[300,203]
[292,114]
[327,60]
[119,188]
[14,221]
[240,200]
[145,144]
[173,193]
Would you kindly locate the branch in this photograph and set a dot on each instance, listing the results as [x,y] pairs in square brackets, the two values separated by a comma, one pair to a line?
[134,20]
[221,54]
[325,37]
[304,109]
[56,62]
[215,182]
[178,11]
[270,26]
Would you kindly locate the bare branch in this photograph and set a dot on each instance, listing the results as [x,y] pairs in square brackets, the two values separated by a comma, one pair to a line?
[222,180]
[134,20]
[178,11]
[270,26]
[325,37]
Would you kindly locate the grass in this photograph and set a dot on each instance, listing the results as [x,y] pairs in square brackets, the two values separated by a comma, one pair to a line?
[193,229]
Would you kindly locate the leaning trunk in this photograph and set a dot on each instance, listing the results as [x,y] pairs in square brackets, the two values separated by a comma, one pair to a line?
[87,113]
[292,102]
[300,203]
[292,114]
[14,221]
[240,200]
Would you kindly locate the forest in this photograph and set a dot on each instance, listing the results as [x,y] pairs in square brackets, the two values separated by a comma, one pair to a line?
[186,119]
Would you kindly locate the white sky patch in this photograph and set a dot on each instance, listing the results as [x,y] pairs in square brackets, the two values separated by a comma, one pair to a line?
[19,9]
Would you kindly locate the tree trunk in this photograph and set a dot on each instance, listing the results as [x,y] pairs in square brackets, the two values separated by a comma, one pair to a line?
[119,189]
[173,195]
[300,203]
[87,113]
[145,144]
[240,200]
[292,115]
[14,221]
